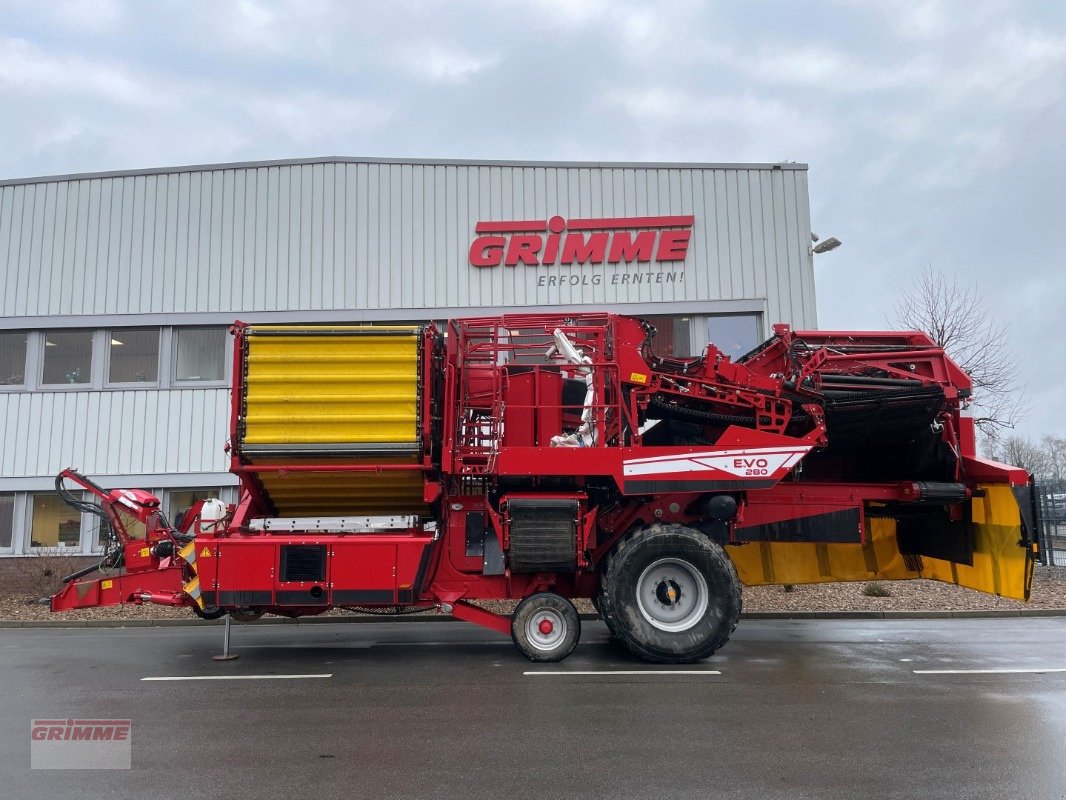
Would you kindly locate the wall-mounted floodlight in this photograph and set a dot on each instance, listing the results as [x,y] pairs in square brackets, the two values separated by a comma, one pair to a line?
[832,243]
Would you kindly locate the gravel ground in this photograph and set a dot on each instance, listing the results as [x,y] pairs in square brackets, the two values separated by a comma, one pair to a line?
[1049,591]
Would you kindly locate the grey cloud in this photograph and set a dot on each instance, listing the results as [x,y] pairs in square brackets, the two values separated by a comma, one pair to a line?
[933,129]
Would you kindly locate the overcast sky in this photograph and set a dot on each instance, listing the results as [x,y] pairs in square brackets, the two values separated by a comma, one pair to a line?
[935,131]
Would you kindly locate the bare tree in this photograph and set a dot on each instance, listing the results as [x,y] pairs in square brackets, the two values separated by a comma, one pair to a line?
[958,320]
[1018,451]
[1054,448]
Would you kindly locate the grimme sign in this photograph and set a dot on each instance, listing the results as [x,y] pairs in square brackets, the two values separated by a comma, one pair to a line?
[80,744]
[581,241]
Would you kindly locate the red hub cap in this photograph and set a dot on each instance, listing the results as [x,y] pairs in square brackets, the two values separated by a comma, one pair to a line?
[545,626]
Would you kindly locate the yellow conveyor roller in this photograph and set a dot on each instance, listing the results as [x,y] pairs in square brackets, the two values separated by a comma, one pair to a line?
[331,389]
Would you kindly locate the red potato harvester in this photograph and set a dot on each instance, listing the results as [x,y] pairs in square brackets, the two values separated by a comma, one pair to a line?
[547,457]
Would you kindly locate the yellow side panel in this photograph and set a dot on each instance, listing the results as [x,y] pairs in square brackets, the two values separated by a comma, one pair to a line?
[331,389]
[1000,566]
[760,563]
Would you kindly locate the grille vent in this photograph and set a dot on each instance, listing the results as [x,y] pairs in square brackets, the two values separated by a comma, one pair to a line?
[303,562]
[543,535]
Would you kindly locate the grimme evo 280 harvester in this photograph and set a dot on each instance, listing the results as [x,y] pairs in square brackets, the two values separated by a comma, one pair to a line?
[545,457]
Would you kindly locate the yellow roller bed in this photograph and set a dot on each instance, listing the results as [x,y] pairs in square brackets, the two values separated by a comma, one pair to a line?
[330,389]
[333,396]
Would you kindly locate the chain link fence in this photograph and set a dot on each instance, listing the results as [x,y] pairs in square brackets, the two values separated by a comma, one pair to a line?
[1051,499]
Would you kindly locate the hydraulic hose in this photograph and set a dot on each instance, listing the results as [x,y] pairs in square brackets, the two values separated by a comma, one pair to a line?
[113,554]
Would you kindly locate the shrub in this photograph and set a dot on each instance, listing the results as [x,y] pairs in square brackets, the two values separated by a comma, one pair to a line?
[42,574]
[875,589]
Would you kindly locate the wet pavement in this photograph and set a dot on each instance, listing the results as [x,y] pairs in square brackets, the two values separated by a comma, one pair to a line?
[789,709]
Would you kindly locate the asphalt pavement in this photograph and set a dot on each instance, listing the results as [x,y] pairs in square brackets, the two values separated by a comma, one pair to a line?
[788,709]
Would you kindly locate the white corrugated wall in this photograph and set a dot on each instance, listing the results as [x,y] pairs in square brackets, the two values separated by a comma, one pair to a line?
[139,431]
[383,236]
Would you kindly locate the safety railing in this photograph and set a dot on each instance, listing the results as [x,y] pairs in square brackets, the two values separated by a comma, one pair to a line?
[526,387]
[1051,500]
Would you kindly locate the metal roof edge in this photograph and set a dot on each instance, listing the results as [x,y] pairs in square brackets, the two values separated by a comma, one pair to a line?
[430,162]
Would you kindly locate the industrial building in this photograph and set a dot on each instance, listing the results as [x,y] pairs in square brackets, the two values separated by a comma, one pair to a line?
[117,289]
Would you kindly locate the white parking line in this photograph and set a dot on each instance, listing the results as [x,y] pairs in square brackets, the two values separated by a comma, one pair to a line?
[235,677]
[1034,670]
[310,645]
[626,672]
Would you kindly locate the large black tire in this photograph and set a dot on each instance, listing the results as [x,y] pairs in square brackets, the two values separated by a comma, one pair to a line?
[561,631]
[607,622]
[689,594]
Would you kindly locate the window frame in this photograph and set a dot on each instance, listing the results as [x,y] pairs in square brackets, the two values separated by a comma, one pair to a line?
[175,382]
[690,338]
[167,503]
[91,524]
[16,509]
[705,319]
[95,362]
[27,360]
[108,334]
[28,548]
[100,367]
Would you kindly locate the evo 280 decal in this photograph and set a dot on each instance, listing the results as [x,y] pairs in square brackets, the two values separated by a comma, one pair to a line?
[751,462]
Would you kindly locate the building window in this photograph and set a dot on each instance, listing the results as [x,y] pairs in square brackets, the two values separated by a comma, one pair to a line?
[734,334]
[530,346]
[13,358]
[673,336]
[200,354]
[179,500]
[135,529]
[54,524]
[68,357]
[134,355]
[7,519]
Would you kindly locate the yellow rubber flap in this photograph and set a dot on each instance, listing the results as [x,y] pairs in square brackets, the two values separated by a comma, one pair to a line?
[1000,566]
[331,385]
[761,563]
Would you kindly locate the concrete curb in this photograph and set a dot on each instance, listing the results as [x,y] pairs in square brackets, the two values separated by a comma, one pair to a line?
[367,619]
[990,614]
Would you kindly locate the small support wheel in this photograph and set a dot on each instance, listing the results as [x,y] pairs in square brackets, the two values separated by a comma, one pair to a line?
[545,627]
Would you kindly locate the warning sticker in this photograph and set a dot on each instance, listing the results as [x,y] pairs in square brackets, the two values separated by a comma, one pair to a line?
[106,584]
[205,553]
[144,552]
[638,377]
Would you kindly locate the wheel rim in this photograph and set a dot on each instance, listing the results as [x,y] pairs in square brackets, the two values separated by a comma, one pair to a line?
[672,594]
[545,629]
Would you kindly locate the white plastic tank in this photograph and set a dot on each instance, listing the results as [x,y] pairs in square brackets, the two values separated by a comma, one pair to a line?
[212,513]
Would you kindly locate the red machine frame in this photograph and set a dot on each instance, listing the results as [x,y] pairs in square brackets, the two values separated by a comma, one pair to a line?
[493,425]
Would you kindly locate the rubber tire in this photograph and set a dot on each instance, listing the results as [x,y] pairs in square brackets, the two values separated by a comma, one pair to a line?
[530,606]
[617,598]
[209,613]
[607,622]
